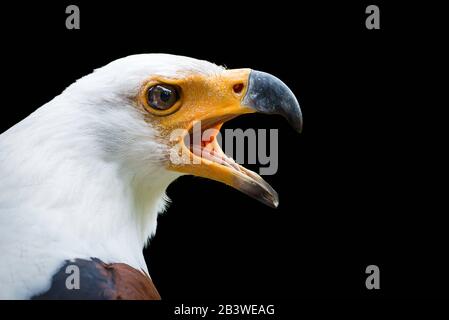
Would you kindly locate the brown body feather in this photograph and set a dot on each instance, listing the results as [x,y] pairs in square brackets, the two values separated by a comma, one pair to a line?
[101,281]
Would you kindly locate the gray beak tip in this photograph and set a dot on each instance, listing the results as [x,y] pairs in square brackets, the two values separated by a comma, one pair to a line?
[296,121]
[268,94]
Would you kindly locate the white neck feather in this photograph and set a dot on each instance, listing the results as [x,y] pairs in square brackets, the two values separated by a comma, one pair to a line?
[68,192]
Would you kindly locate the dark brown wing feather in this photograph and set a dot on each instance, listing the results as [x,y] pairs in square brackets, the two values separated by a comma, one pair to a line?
[101,281]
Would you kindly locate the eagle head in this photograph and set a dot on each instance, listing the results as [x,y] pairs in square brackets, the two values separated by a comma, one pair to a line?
[145,109]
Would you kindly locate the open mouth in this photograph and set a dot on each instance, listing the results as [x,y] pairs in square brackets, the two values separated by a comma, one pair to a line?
[196,145]
[203,143]
[203,149]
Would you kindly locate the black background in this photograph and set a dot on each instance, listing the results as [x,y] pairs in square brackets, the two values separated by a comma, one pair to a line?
[355,187]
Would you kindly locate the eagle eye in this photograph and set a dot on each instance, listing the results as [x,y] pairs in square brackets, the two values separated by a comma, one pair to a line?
[162,96]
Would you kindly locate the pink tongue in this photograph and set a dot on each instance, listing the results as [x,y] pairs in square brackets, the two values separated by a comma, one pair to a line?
[205,143]
[217,157]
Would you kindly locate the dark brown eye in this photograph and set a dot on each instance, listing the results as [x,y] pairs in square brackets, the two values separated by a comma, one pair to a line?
[162,97]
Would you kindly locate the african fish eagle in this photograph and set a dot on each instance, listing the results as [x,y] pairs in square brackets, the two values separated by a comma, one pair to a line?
[83,178]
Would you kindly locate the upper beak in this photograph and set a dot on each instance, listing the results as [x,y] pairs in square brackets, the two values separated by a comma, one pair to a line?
[268,94]
[263,93]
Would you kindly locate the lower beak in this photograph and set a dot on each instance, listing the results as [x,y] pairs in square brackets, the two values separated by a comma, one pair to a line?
[265,94]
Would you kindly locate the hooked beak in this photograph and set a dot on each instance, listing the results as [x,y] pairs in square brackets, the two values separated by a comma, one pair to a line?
[268,94]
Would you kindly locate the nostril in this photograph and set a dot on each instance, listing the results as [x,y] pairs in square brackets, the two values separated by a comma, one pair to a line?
[238,88]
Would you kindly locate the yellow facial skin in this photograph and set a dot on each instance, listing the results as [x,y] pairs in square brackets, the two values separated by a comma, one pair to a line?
[212,100]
